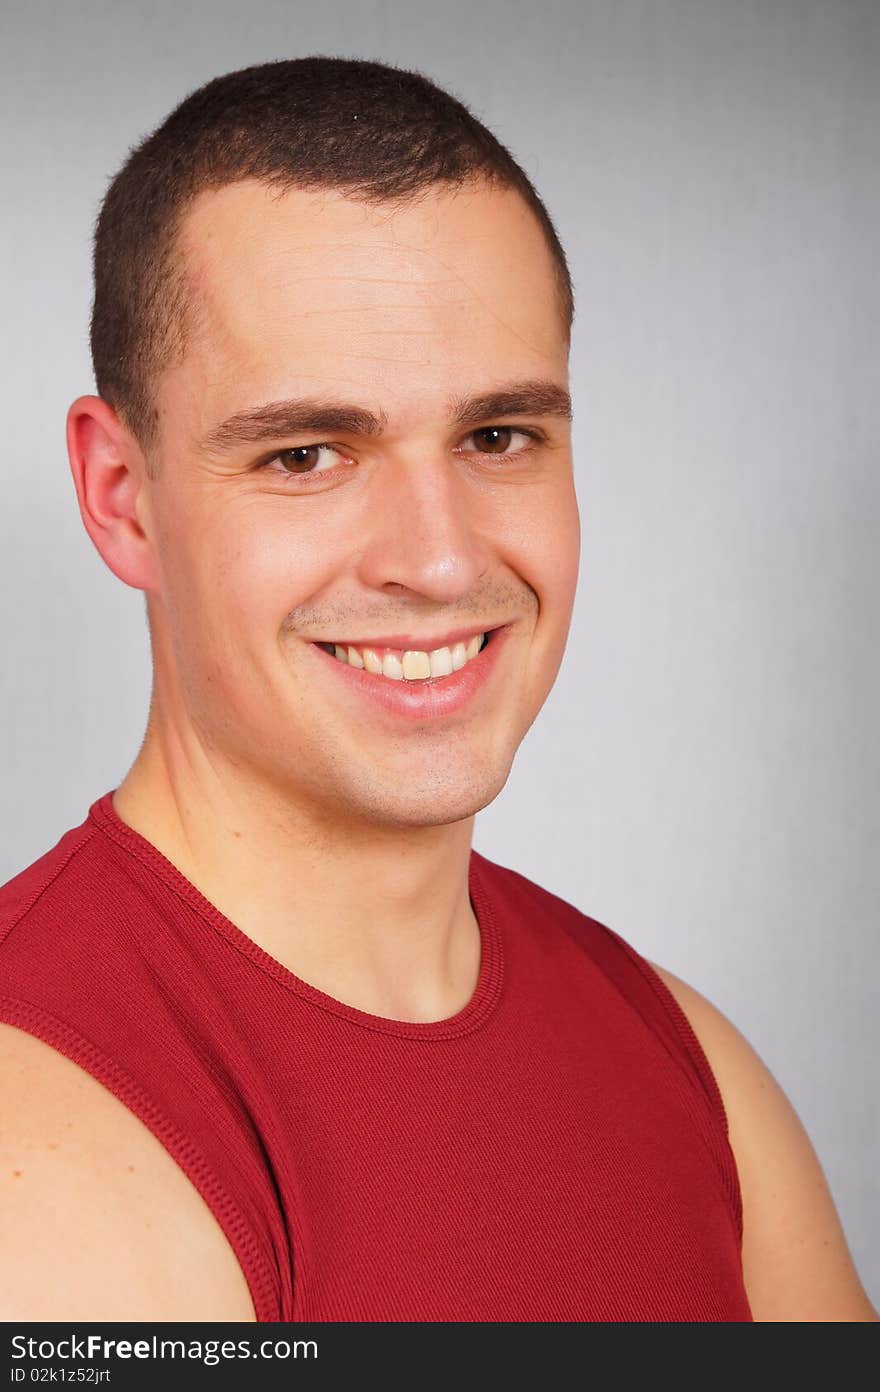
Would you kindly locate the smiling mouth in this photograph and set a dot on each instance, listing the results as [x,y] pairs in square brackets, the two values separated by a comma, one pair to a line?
[411,664]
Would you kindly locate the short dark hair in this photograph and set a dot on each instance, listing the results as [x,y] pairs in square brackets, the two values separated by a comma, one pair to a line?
[377,132]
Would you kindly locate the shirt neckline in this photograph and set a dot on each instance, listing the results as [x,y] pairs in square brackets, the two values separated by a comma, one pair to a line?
[103,814]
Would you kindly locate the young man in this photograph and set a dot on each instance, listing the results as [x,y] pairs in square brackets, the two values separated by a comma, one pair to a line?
[277,1044]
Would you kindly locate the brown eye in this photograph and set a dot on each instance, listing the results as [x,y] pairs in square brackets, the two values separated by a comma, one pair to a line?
[301,459]
[496,438]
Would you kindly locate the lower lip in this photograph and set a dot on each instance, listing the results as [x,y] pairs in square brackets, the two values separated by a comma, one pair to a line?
[430,699]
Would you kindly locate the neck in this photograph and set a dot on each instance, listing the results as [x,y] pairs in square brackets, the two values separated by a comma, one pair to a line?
[375,916]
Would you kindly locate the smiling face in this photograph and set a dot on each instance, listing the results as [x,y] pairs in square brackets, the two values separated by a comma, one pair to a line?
[410,487]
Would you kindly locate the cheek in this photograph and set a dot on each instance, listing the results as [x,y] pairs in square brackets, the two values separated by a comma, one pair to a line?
[549,554]
[564,557]
[262,560]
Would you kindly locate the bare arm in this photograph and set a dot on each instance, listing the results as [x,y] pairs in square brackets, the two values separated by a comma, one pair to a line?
[796,1263]
[97,1220]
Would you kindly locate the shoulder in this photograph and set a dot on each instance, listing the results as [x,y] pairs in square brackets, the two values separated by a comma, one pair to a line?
[99,1221]
[796,1264]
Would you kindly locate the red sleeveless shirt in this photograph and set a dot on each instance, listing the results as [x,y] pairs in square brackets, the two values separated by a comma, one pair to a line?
[555,1151]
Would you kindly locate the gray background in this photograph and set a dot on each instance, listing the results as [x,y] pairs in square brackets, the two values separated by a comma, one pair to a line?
[704,775]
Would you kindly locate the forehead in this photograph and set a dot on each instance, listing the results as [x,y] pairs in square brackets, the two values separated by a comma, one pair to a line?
[311,290]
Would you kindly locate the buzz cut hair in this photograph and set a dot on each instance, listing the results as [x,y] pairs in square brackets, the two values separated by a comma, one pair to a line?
[375,132]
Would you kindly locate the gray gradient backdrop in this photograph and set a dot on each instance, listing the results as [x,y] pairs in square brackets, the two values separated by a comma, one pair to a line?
[703,777]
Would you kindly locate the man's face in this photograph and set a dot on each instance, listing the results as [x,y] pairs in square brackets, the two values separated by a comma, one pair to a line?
[423,523]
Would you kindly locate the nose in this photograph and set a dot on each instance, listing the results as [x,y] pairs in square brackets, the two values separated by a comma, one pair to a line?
[421,528]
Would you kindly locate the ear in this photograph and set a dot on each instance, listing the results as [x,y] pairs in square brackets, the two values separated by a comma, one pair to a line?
[109,474]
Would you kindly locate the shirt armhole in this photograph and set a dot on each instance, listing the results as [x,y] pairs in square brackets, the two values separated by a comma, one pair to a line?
[65,1040]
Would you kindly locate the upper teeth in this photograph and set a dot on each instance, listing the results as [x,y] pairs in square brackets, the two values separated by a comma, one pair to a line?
[411,665]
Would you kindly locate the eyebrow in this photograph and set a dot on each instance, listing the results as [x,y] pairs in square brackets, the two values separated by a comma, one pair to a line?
[319,416]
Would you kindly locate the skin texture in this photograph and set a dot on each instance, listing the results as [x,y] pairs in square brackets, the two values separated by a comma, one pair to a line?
[257,757]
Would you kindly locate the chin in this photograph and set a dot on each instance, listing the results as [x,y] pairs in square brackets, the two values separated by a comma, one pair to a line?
[434,802]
